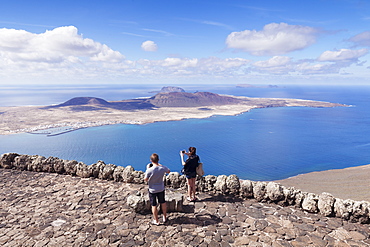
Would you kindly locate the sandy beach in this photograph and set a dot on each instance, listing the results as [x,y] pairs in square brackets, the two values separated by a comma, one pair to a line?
[349,183]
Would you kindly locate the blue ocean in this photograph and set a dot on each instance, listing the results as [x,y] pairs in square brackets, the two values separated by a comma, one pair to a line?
[263,144]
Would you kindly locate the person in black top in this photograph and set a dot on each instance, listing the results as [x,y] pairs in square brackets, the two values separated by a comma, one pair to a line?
[190,166]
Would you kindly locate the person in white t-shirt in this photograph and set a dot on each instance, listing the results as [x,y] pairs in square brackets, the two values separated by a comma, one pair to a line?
[154,175]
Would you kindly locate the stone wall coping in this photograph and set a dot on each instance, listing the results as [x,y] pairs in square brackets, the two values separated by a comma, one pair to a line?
[263,191]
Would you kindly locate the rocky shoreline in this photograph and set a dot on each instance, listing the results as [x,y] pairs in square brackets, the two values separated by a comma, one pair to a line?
[50,201]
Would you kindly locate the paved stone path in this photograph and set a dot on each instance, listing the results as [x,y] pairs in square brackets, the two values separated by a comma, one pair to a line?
[41,209]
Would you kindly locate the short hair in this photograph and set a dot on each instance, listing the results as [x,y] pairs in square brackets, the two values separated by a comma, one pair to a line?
[154,158]
[192,150]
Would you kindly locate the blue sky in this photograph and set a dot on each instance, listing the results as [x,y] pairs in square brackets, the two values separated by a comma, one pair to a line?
[185,42]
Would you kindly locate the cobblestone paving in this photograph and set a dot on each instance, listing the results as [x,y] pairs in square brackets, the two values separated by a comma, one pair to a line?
[41,209]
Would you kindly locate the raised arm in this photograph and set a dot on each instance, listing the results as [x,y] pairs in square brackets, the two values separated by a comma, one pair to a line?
[182,158]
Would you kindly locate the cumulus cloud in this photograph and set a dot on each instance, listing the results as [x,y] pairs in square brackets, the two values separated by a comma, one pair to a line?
[311,68]
[275,65]
[179,62]
[65,55]
[62,44]
[193,66]
[149,46]
[362,39]
[329,63]
[342,55]
[274,39]
[275,61]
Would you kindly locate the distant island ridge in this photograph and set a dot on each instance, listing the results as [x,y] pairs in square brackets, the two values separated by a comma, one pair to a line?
[169,104]
[255,86]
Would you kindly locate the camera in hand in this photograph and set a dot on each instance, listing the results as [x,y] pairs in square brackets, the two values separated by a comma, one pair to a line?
[183,151]
[150,165]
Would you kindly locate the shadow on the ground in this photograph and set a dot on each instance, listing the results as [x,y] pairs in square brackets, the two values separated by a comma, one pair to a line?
[219,198]
[199,219]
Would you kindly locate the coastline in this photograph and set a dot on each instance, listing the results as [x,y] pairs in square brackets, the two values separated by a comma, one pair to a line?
[23,119]
[347,183]
[38,120]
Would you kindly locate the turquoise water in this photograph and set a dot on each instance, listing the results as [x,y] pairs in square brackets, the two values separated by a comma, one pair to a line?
[263,144]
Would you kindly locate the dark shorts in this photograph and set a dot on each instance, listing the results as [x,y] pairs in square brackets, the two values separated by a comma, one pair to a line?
[191,175]
[153,197]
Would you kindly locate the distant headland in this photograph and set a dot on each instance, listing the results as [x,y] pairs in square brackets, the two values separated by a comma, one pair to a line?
[169,104]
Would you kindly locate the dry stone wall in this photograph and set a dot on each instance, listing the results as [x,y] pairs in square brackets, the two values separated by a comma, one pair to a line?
[270,192]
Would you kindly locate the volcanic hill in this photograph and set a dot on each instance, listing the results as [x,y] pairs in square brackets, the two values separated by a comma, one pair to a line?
[170,99]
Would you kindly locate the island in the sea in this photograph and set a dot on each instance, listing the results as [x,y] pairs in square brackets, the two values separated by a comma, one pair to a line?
[169,104]
[256,86]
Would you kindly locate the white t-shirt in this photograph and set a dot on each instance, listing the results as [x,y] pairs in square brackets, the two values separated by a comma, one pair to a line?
[155,175]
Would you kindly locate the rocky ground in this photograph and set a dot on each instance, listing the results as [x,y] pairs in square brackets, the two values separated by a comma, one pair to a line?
[43,209]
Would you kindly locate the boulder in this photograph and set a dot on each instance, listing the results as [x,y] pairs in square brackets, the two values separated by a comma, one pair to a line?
[233,185]
[206,184]
[259,190]
[59,166]
[290,196]
[48,164]
[360,212]
[96,168]
[174,180]
[298,197]
[22,162]
[326,204]
[309,203]
[127,175]
[138,203]
[138,177]
[107,171]
[6,160]
[343,208]
[246,189]
[220,185]
[70,167]
[274,192]
[117,174]
[37,164]
[83,171]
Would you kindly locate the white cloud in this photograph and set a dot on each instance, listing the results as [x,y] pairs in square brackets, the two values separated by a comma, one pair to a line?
[274,39]
[310,68]
[275,65]
[149,46]
[331,63]
[64,55]
[12,40]
[178,62]
[62,44]
[342,55]
[194,66]
[275,61]
[214,64]
[362,39]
